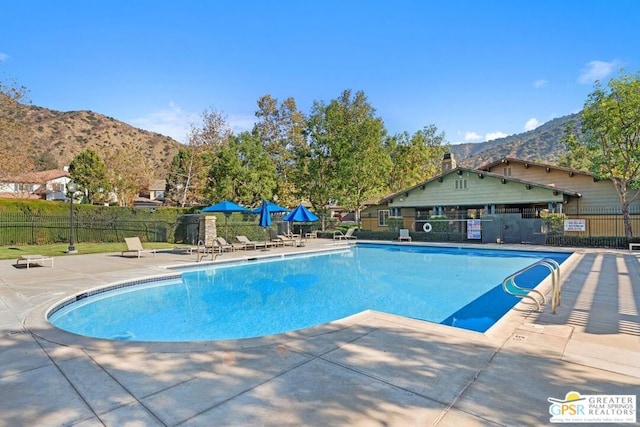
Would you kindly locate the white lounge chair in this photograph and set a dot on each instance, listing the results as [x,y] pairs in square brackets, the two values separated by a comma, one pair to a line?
[339,235]
[134,245]
[225,246]
[34,260]
[404,235]
[250,244]
[286,240]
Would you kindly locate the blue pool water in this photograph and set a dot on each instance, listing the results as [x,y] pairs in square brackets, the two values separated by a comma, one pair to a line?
[458,287]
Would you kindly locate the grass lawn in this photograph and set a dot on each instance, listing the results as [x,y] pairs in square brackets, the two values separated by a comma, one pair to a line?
[13,252]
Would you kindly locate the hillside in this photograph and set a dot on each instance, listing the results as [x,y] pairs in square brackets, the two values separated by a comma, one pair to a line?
[542,144]
[55,137]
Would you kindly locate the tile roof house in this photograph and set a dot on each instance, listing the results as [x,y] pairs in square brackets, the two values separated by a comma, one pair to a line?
[48,185]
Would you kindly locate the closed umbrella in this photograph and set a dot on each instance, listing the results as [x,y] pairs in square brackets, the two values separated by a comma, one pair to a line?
[300,214]
[265,219]
[227,208]
[271,207]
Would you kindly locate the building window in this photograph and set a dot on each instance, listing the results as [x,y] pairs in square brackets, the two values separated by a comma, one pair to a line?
[394,212]
[382,218]
[506,171]
[461,184]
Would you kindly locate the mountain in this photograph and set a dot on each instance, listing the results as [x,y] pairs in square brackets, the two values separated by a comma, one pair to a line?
[543,144]
[54,138]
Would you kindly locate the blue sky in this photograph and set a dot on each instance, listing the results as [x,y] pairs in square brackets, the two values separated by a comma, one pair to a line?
[475,69]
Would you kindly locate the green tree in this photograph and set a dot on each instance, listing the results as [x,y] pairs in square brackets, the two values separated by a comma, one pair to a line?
[314,167]
[415,158]
[610,138]
[356,145]
[89,171]
[241,170]
[187,180]
[280,128]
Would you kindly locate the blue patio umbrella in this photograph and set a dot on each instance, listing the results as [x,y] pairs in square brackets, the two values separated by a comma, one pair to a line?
[271,207]
[227,208]
[265,219]
[300,214]
[265,215]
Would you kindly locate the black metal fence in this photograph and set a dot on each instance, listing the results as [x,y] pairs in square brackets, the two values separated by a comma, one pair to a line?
[599,228]
[28,229]
[590,228]
[38,229]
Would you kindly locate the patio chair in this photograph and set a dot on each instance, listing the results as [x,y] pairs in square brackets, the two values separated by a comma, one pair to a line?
[33,260]
[250,244]
[404,235]
[134,245]
[339,235]
[224,246]
[311,235]
[286,240]
[275,238]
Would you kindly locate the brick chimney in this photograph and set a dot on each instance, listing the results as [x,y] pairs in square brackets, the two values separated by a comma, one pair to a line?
[448,163]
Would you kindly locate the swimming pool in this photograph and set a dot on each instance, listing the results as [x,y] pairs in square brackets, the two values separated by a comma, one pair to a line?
[454,286]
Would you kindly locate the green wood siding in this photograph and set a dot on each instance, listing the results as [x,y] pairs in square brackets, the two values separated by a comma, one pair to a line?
[476,192]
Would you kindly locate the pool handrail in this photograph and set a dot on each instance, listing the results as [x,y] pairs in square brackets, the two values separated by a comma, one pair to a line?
[521,292]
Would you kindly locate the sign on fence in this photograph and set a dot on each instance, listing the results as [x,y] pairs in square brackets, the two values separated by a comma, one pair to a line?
[474,229]
[575,225]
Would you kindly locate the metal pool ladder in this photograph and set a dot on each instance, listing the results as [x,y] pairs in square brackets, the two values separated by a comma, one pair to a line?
[511,287]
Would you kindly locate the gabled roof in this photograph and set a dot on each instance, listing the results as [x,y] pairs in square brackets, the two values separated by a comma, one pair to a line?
[483,173]
[158,185]
[40,177]
[507,160]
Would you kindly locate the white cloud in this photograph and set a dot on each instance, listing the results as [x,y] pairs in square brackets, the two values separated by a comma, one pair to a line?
[494,135]
[171,121]
[540,83]
[531,124]
[597,70]
[241,123]
[472,137]
[3,56]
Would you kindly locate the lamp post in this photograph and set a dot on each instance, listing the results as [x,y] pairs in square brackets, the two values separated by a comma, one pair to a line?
[71,189]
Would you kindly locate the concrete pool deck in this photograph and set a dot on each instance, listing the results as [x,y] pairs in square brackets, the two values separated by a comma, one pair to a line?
[370,369]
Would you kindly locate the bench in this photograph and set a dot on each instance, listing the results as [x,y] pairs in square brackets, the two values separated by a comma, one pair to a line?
[29,260]
[632,246]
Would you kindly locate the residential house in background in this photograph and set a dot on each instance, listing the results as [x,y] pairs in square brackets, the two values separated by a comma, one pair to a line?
[47,185]
[152,196]
[503,192]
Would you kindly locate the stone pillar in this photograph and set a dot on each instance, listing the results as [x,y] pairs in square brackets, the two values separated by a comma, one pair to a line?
[208,230]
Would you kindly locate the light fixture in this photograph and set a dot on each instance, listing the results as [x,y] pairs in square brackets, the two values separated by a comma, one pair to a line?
[71,189]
